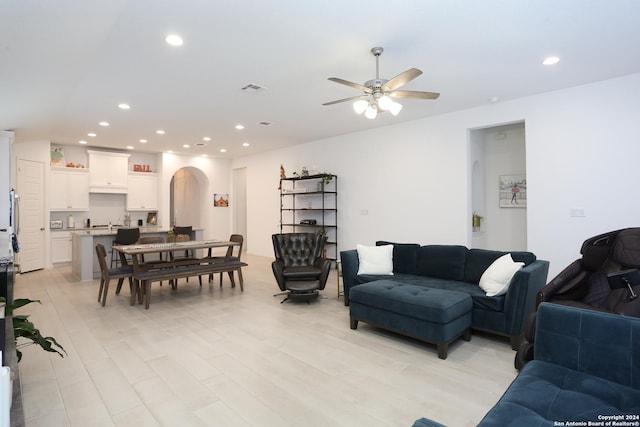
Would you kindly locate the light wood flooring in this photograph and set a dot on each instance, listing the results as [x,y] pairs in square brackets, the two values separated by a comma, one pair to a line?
[216,356]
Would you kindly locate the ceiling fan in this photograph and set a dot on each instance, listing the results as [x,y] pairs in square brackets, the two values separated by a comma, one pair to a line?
[378,92]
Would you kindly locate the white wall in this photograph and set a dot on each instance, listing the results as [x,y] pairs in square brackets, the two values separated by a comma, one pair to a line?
[412,178]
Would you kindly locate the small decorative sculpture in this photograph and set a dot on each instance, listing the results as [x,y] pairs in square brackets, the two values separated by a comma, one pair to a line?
[305,171]
[282,176]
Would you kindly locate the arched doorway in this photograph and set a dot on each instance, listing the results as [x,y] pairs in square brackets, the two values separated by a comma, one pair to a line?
[188,197]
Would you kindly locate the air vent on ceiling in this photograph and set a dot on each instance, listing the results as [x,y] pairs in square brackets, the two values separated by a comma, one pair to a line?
[265,123]
[252,87]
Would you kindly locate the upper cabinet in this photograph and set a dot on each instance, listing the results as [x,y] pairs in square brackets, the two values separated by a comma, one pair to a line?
[69,189]
[143,191]
[108,172]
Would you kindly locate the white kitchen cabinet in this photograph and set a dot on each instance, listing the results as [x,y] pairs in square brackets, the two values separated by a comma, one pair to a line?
[61,246]
[142,192]
[69,190]
[108,172]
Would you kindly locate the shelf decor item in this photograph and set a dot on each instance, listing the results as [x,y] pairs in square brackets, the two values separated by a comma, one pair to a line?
[57,156]
[152,218]
[476,221]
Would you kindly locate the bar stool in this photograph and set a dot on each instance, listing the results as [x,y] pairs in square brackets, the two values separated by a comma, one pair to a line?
[124,236]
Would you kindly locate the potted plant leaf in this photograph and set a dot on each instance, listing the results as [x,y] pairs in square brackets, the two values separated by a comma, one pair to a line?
[24,328]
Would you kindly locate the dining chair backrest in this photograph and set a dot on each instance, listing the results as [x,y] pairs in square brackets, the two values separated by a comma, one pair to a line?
[102,258]
[127,236]
[180,238]
[236,238]
[183,230]
[148,240]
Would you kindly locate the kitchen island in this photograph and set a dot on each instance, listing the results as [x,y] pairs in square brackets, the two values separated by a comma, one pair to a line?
[84,262]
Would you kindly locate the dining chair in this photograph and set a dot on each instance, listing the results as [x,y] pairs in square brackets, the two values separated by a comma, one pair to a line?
[124,236]
[229,256]
[106,274]
[157,260]
[189,255]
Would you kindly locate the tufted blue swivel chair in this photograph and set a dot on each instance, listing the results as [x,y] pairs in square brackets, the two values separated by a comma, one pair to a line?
[299,267]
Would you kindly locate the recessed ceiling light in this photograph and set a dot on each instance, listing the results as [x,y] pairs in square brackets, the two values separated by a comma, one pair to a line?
[494,99]
[245,144]
[170,151]
[104,123]
[91,134]
[143,141]
[551,60]
[239,127]
[186,146]
[174,40]
[82,142]
[129,147]
[124,106]
[206,138]
[160,132]
[203,155]
[223,150]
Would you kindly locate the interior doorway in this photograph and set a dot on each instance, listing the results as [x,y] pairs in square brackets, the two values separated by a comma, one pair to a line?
[497,152]
[186,196]
[31,232]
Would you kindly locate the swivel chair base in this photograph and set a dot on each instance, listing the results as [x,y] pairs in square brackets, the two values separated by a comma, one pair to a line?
[303,290]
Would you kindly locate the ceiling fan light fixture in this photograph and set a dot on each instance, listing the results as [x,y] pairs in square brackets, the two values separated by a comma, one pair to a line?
[360,106]
[371,112]
[384,102]
[395,108]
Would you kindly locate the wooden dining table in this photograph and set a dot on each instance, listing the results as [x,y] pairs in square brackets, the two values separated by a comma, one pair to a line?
[146,272]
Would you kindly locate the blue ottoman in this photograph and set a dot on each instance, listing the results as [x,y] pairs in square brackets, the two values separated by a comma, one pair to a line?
[433,315]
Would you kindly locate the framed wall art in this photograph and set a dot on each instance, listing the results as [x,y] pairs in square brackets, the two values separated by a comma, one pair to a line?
[221,200]
[513,191]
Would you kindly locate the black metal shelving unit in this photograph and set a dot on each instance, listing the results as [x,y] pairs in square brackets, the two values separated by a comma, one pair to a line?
[313,197]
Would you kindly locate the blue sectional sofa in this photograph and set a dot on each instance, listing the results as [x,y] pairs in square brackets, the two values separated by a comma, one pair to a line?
[585,372]
[457,268]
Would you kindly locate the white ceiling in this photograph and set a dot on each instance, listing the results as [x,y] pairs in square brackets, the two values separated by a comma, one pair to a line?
[65,64]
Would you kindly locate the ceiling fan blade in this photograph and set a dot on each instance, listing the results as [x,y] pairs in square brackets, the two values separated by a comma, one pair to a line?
[352,98]
[350,84]
[401,79]
[413,94]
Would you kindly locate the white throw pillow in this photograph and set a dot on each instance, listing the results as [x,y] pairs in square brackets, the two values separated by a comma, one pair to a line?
[497,278]
[375,259]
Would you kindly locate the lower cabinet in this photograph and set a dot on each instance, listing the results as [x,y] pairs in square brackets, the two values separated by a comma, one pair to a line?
[61,247]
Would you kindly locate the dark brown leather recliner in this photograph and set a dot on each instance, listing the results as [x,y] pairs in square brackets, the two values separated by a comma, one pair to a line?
[299,267]
[606,278]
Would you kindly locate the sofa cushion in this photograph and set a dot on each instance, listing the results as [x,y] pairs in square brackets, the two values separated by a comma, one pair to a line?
[405,256]
[479,298]
[543,393]
[442,261]
[478,260]
[497,278]
[375,260]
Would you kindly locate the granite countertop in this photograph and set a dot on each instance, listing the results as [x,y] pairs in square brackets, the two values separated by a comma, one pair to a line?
[104,231]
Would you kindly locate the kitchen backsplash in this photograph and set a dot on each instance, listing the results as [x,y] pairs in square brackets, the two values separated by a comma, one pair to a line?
[103,208]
